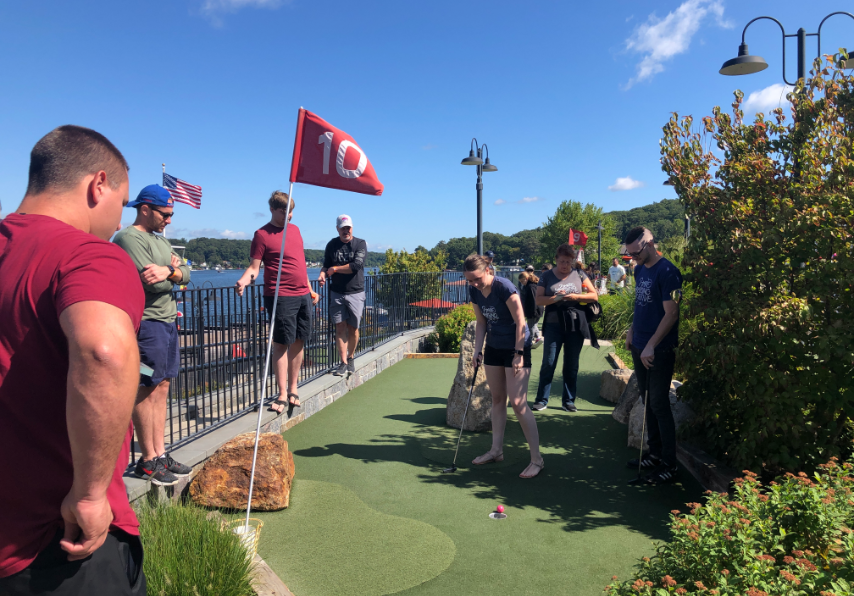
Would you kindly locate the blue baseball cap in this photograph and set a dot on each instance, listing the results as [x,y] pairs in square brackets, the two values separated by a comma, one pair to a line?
[489,254]
[153,194]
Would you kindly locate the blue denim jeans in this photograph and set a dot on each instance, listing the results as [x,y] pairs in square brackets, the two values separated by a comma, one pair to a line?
[555,338]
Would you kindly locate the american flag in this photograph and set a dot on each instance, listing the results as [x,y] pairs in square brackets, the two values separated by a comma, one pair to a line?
[183,192]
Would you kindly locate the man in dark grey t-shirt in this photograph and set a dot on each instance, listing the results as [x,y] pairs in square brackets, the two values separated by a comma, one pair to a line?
[343,264]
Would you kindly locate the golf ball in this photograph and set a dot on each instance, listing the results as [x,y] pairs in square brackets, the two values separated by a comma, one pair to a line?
[500,509]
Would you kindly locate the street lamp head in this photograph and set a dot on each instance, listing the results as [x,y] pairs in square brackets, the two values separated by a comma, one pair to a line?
[472,160]
[488,167]
[743,64]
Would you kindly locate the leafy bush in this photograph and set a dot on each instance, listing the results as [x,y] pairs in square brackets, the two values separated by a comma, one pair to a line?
[431,342]
[771,259]
[451,327]
[187,554]
[793,537]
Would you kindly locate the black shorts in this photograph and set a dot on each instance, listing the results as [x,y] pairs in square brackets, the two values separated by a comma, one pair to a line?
[293,318]
[504,357]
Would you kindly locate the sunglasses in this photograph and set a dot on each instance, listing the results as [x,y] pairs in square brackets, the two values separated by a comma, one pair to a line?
[637,254]
[164,215]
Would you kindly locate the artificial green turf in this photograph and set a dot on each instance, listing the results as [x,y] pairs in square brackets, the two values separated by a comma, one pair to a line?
[567,532]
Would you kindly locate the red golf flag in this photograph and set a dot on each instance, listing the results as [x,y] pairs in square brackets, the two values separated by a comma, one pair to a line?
[577,237]
[326,156]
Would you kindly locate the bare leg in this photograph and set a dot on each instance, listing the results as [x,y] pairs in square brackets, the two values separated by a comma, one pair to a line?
[149,419]
[352,342]
[517,389]
[498,387]
[341,337]
[294,363]
[280,366]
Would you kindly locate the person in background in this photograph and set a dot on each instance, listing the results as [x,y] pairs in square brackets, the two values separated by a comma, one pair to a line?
[507,358]
[160,270]
[527,292]
[546,267]
[529,269]
[652,339]
[617,275]
[69,372]
[630,272]
[344,265]
[565,325]
[490,256]
[296,298]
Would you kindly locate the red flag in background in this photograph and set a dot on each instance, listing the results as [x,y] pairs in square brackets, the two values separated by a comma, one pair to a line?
[326,156]
[577,237]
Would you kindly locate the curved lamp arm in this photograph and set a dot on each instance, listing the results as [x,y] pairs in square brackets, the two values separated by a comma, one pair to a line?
[485,151]
[474,145]
[782,30]
[822,23]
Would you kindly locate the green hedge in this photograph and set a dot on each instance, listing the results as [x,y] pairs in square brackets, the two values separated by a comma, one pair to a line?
[792,537]
[451,327]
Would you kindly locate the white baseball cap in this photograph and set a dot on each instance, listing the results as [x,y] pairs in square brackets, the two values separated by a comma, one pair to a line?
[343,221]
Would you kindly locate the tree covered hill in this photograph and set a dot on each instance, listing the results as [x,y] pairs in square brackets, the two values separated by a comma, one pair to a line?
[665,218]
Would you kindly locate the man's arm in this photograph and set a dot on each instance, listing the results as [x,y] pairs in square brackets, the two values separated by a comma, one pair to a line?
[251,272]
[182,272]
[103,376]
[671,315]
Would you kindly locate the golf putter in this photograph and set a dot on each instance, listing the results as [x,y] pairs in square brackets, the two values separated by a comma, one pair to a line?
[639,479]
[453,467]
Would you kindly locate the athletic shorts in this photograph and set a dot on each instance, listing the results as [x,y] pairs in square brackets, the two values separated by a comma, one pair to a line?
[293,318]
[159,350]
[504,357]
[346,308]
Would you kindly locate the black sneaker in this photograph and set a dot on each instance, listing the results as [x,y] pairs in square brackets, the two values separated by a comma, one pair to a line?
[351,367]
[539,405]
[179,469]
[663,475]
[647,462]
[341,371]
[570,406]
[155,471]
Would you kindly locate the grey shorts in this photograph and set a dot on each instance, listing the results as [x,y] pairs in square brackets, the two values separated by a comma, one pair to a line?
[346,308]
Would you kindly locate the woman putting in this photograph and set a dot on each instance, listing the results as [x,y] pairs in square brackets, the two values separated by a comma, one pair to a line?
[565,324]
[507,357]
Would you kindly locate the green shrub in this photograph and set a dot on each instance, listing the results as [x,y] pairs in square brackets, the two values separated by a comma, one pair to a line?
[771,258]
[451,327]
[187,554]
[431,342]
[617,313]
[792,537]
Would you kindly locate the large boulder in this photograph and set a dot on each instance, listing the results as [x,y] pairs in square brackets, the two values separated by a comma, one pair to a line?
[682,413]
[479,417]
[613,383]
[224,479]
[631,394]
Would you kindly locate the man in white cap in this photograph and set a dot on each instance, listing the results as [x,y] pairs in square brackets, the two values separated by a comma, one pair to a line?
[343,265]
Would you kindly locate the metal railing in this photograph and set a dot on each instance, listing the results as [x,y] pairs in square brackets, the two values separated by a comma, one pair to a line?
[223,339]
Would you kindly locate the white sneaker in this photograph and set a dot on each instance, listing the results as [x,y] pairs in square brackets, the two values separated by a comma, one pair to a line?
[537,343]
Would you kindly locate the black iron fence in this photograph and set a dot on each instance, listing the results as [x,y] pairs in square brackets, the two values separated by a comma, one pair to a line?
[223,340]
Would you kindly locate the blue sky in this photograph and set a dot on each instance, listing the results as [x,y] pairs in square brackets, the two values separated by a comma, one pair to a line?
[570,97]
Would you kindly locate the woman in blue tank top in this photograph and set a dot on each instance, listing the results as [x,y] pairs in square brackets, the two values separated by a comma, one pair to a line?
[506,358]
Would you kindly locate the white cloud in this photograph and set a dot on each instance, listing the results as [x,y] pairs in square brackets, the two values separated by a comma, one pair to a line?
[529,200]
[258,214]
[428,147]
[500,202]
[767,99]
[627,183]
[378,247]
[659,40]
[233,235]
[220,6]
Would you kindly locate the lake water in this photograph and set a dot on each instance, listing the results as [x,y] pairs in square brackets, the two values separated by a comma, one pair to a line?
[229,277]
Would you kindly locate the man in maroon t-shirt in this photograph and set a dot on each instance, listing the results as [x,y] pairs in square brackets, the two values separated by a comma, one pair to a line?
[293,307]
[69,369]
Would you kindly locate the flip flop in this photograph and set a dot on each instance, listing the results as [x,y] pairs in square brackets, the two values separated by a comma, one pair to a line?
[278,402]
[541,465]
[291,398]
[493,459]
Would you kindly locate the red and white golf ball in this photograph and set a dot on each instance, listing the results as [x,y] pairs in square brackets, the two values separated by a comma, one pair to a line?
[500,509]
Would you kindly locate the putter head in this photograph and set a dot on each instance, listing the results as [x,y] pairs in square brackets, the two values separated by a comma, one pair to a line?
[453,468]
[637,481]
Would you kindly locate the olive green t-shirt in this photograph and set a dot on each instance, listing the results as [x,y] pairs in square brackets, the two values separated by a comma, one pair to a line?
[144,249]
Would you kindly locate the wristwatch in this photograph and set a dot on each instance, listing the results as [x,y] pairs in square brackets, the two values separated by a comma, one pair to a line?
[171,270]
[519,352]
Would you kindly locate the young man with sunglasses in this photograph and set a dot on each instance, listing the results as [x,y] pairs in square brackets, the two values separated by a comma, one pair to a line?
[652,339]
[159,269]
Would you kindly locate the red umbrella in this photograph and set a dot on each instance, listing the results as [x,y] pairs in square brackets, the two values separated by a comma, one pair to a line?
[433,303]
[460,282]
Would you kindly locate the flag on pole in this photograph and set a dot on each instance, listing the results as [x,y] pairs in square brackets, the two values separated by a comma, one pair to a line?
[577,237]
[183,192]
[326,156]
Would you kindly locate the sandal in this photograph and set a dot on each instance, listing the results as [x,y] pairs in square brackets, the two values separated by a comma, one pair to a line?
[278,402]
[293,400]
[492,459]
[540,465]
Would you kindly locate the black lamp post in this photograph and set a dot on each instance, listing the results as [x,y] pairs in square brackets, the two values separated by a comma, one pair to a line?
[475,158]
[600,227]
[747,64]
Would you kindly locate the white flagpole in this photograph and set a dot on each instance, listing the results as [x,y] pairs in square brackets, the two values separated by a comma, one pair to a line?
[267,360]
[161,182]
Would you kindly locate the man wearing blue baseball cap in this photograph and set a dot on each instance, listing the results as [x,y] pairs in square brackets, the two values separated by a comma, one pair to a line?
[159,269]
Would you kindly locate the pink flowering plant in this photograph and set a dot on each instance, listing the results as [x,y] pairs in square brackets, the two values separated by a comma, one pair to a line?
[793,537]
